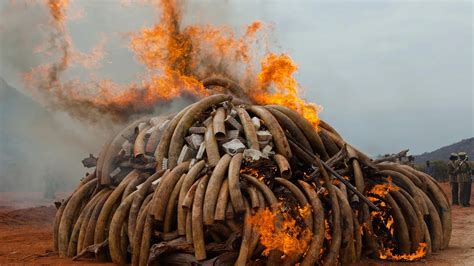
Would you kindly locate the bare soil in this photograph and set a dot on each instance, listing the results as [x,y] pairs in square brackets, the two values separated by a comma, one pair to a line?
[26,224]
[26,231]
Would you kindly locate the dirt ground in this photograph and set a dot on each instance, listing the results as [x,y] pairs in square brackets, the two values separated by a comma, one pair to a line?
[26,223]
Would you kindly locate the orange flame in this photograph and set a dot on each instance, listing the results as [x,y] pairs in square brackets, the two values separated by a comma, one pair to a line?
[305,211]
[279,70]
[58,8]
[253,172]
[164,46]
[386,254]
[389,225]
[176,58]
[383,189]
[385,223]
[250,171]
[278,230]
[327,230]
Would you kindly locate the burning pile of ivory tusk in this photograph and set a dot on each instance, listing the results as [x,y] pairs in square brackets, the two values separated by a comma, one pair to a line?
[225,181]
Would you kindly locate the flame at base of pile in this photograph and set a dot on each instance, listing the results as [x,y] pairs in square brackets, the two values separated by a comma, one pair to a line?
[228,182]
[386,254]
[279,230]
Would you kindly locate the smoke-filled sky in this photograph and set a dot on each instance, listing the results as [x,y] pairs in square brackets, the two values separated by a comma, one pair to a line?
[390,75]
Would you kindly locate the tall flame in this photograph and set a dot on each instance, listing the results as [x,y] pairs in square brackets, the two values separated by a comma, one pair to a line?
[278,70]
[176,58]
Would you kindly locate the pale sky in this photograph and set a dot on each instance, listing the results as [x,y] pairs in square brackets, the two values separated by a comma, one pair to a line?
[390,74]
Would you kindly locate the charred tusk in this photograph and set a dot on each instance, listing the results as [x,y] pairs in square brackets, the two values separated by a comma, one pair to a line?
[283,166]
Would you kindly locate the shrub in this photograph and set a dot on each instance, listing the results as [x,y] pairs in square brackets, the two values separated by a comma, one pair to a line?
[440,170]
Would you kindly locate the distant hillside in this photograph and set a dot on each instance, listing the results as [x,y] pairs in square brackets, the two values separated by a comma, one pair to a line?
[466,145]
[36,145]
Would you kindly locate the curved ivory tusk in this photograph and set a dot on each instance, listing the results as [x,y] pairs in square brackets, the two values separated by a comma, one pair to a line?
[275,129]
[118,255]
[402,228]
[249,129]
[213,188]
[289,125]
[137,238]
[312,255]
[139,145]
[283,165]
[100,229]
[163,191]
[222,200]
[197,220]
[83,230]
[143,192]
[71,208]
[414,227]
[161,151]
[229,85]
[177,140]
[90,229]
[347,252]
[269,196]
[212,150]
[114,148]
[86,211]
[191,176]
[218,124]
[171,210]
[246,239]
[234,183]
[307,129]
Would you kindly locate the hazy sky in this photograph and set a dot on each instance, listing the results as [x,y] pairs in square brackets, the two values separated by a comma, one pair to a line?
[390,74]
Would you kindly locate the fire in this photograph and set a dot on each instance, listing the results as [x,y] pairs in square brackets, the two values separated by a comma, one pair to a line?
[279,70]
[383,189]
[176,58]
[278,230]
[57,9]
[383,225]
[327,230]
[386,254]
[382,217]
[253,172]
[389,225]
[305,211]
[164,46]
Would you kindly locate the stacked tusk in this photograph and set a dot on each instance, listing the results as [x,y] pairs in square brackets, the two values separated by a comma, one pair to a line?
[199,185]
